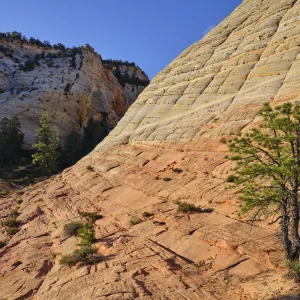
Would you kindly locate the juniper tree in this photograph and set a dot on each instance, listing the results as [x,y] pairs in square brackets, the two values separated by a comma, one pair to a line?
[47,144]
[268,171]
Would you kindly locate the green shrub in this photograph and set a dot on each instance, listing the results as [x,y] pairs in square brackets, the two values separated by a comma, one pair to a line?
[72,228]
[14,213]
[4,192]
[92,216]
[19,201]
[134,221]
[90,168]
[231,178]
[160,223]
[177,170]
[167,179]
[12,230]
[85,254]
[156,177]
[185,207]
[69,260]
[11,222]
[294,269]
[87,234]
[147,214]
[68,87]
[2,244]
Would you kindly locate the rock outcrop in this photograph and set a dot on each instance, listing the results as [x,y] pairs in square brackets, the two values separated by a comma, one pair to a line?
[132,78]
[212,90]
[71,84]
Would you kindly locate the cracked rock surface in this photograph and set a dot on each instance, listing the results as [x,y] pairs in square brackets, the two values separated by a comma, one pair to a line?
[212,90]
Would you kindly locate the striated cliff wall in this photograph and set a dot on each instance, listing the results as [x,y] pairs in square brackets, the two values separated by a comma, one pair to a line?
[72,85]
[132,78]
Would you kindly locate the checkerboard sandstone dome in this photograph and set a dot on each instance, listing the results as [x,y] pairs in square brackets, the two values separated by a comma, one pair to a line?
[216,86]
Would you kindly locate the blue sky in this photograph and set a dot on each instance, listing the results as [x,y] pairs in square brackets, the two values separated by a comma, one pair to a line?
[149,32]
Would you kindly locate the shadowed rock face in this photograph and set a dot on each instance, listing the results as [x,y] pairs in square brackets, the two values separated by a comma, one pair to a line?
[212,90]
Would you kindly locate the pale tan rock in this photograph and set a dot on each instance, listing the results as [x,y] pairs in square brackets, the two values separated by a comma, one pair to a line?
[245,268]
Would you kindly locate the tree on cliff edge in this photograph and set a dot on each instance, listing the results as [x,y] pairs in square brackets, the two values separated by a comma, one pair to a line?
[268,171]
[47,144]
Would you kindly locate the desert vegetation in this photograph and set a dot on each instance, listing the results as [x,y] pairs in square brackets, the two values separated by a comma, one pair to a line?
[85,253]
[125,78]
[22,167]
[30,64]
[267,174]
[18,36]
[90,216]
[134,220]
[47,145]
[167,179]
[147,214]
[72,228]
[11,140]
[11,224]
[177,170]
[118,62]
[185,207]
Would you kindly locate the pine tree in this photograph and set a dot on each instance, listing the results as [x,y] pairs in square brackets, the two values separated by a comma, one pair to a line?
[11,140]
[268,171]
[72,148]
[47,144]
[4,137]
[94,133]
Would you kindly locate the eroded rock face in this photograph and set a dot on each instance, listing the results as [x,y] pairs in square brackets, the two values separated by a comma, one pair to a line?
[131,77]
[212,90]
[72,85]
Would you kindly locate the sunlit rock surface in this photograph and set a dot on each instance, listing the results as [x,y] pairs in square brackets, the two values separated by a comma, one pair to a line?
[73,85]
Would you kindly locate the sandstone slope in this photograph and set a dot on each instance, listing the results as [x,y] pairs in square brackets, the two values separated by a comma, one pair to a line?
[212,90]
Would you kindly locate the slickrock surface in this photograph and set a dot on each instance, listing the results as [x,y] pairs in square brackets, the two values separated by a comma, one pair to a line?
[94,91]
[212,90]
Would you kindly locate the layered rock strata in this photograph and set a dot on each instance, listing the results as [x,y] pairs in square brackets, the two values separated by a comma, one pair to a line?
[131,77]
[72,85]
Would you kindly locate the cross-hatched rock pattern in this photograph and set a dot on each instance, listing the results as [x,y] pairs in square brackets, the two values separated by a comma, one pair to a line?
[216,86]
[150,249]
